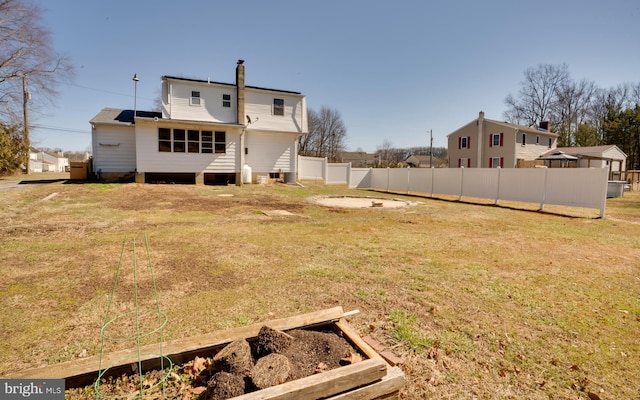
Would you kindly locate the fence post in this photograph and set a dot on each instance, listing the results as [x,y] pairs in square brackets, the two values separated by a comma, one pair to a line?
[433,177]
[544,189]
[603,196]
[498,191]
[349,176]
[461,183]
[325,170]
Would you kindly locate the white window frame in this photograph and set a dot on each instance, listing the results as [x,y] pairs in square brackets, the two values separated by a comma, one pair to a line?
[494,137]
[495,164]
[278,107]
[226,100]
[464,143]
[195,100]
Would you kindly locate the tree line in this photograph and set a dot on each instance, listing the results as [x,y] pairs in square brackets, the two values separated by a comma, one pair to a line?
[29,71]
[580,112]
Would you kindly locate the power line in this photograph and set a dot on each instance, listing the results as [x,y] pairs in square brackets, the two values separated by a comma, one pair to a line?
[57,128]
[105,91]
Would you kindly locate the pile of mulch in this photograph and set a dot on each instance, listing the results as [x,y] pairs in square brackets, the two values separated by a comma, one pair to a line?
[273,358]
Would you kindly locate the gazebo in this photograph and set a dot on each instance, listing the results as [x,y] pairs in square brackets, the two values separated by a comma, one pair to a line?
[559,159]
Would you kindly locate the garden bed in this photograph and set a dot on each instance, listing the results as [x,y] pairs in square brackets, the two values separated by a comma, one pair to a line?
[366,376]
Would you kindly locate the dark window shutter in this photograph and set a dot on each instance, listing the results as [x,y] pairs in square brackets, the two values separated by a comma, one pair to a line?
[468,163]
[491,140]
[501,138]
[501,162]
[468,142]
[490,162]
[459,142]
[459,162]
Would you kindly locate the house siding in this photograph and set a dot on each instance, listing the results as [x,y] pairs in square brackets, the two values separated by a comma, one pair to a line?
[271,152]
[150,159]
[259,107]
[210,108]
[114,148]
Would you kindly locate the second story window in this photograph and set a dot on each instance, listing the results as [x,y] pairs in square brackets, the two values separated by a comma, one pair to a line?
[278,106]
[550,142]
[464,142]
[226,100]
[524,139]
[195,98]
[496,139]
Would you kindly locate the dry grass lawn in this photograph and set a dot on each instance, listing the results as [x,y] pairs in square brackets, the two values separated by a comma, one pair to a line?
[480,301]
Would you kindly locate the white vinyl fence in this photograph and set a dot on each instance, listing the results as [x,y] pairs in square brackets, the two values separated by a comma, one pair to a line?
[577,187]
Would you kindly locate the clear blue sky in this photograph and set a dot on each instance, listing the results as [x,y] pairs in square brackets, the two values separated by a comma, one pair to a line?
[393,69]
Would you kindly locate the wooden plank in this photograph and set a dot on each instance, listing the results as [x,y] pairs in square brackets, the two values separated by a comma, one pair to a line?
[325,384]
[355,339]
[387,388]
[83,371]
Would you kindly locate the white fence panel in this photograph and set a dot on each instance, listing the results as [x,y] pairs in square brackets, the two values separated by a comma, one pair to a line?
[522,184]
[398,179]
[447,181]
[481,182]
[379,178]
[420,180]
[579,187]
[360,178]
[337,174]
[311,168]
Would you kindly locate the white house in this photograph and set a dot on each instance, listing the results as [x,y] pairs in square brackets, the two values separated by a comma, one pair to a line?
[207,132]
[41,161]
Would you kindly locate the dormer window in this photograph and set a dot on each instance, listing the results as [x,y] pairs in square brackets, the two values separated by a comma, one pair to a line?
[195,98]
[226,100]
[278,107]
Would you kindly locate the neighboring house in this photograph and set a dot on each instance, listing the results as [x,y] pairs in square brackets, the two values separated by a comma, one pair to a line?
[486,143]
[208,132]
[358,159]
[420,161]
[608,156]
[41,161]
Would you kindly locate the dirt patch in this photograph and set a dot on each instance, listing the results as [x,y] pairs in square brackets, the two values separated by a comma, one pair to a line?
[360,202]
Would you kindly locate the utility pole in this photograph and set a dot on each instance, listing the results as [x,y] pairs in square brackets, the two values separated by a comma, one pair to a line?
[430,148]
[135,96]
[25,109]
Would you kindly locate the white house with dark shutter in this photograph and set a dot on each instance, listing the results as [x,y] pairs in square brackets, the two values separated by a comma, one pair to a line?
[207,132]
[486,143]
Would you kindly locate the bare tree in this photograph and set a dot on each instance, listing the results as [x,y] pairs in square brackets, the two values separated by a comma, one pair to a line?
[28,63]
[572,108]
[327,134]
[537,95]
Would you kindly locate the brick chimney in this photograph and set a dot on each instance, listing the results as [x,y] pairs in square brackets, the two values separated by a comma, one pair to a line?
[546,125]
[240,92]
